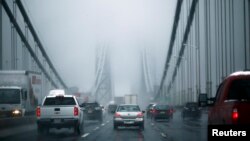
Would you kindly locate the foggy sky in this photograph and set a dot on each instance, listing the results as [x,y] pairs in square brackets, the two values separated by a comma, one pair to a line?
[71,30]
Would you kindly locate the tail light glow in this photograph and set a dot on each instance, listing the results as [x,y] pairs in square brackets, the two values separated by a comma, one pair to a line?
[140,115]
[38,111]
[117,115]
[235,114]
[76,111]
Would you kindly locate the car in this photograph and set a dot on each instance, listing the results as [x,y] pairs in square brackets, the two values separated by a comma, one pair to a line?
[191,110]
[149,109]
[162,111]
[92,111]
[112,108]
[231,104]
[128,115]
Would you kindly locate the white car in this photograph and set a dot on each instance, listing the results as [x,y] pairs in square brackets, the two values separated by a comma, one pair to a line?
[128,115]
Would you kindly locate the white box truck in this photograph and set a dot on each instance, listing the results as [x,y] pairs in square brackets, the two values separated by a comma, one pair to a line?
[20,92]
[130,99]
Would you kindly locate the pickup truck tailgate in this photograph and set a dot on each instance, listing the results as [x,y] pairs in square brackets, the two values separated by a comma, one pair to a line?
[56,112]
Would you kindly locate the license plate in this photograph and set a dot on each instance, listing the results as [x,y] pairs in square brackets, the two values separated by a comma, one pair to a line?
[128,122]
[57,121]
[162,112]
[89,111]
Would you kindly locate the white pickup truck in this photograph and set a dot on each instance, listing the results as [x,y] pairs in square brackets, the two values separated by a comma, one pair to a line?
[59,111]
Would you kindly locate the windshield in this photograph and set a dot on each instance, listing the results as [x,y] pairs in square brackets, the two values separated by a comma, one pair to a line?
[128,109]
[10,96]
[240,90]
[162,107]
[59,101]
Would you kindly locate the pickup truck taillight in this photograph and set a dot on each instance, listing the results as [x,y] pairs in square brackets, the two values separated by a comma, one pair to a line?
[76,111]
[38,111]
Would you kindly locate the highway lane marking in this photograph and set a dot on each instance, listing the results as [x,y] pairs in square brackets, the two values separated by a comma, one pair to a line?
[103,124]
[152,124]
[96,128]
[108,121]
[85,135]
[163,135]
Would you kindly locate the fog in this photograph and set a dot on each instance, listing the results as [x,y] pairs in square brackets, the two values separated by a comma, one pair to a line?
[72,30]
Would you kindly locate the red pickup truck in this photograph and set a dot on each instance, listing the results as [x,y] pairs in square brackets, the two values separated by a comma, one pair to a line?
[231,105]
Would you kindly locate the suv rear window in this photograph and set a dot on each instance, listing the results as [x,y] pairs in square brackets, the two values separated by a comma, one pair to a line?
[59,101]
[162,107]
[94,104]
[192,104]
[240,90]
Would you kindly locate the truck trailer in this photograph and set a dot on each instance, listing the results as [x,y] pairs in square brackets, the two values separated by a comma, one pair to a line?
[20,92]
[130,99]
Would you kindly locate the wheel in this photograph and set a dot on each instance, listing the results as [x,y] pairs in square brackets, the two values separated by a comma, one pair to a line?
[40,129]
[100,119]
[142,127]
[115,127]
[77,129]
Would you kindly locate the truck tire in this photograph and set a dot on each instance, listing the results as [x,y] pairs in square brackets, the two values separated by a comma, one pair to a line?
[78,129]
[40,130]
[115,127]
[100,119]
[142,127]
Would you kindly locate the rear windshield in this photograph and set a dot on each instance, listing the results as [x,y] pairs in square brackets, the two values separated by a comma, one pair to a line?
[112,106]
[192,104]
[130,108]
[162,107]
[90,104]
[59,101]
[240,90]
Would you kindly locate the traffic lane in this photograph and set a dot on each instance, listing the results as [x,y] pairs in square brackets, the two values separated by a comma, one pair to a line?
[29,132]
[174,130]
[32,135]
[94,131]
[107,133]
[182,130]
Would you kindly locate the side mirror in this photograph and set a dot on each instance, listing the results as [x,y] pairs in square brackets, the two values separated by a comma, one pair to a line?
[143,111]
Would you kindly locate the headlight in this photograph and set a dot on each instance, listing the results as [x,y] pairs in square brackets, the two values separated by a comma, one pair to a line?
[16,112]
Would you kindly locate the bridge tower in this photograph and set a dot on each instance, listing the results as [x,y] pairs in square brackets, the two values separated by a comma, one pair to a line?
[103,91]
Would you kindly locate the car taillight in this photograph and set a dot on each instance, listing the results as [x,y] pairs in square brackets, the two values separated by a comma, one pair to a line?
[38,111]
[117,115]
[155,111]
[76,111]
[235,114]
[140,115]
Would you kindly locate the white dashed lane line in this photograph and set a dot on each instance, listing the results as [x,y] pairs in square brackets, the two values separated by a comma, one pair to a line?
[85,135]
[96,128]
[163,135]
